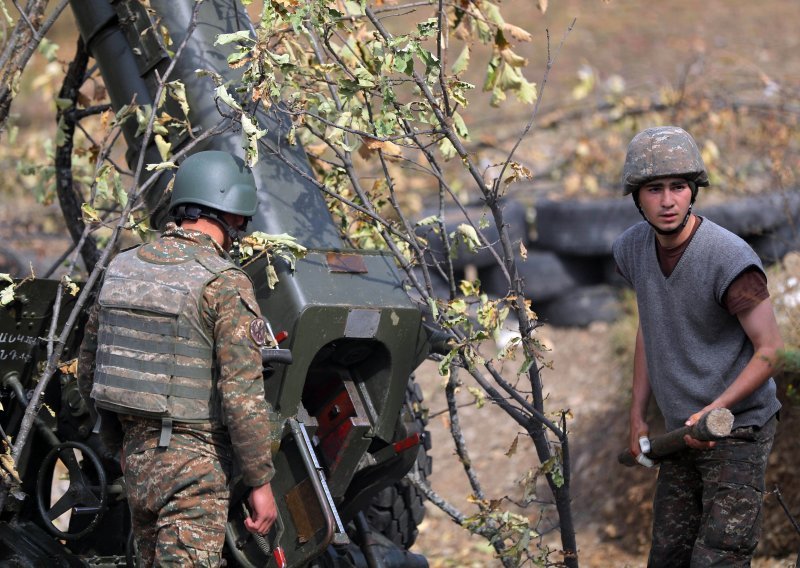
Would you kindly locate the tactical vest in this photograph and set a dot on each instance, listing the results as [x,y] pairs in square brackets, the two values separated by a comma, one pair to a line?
[155,358]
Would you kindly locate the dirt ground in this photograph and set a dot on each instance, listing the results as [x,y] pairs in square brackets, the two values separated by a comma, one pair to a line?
[611,503]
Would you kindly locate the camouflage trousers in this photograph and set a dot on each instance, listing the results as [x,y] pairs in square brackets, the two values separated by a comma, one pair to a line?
[707,508]
[179,506]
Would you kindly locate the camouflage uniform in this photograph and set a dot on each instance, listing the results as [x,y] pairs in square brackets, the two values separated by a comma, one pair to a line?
[707,509]
[179,494]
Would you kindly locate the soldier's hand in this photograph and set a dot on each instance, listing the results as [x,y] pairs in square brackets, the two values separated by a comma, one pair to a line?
[638,428]
[639,442]
[691,421]
[263,510]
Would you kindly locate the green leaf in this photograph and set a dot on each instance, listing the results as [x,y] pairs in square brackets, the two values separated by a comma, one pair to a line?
[49,49]
[61,133]
[101,182]
[120,194]
[510,78]
[447,360]
[554,467]
[428,28]
[498,96]
[460,126]
[462,61]
[251,134]
[236,57]
[225,39]
[492,73]
[468,235]
[223,94]
[493,14]
[63,103]
[6,15]
[142,119]
[365,78]
[353,8]
[527,92]
[177,90]
[479,396]
[404,62]
[431,220]
[434,308]
[447,149]
[161,166]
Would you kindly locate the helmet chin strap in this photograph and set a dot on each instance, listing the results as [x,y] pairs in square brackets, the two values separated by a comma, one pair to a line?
[235,235]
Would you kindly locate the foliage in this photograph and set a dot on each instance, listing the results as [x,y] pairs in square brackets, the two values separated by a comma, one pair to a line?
[271,248]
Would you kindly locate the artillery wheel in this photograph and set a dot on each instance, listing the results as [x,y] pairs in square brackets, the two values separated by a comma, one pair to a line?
[398,510]
[87,489]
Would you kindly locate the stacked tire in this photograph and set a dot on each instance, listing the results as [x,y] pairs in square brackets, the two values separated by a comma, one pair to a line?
[569,273]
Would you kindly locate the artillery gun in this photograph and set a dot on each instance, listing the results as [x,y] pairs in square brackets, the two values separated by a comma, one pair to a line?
[347,426]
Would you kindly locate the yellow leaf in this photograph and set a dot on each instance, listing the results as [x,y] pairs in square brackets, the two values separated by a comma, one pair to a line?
[69,367]
[372,145]
[89,214]
[513,449]
[523,252]
[516,32]
[163,147]
[480,398]
[7,463]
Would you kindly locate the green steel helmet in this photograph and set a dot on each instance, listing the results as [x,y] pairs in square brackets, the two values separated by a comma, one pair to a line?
[217,180]
[665,151]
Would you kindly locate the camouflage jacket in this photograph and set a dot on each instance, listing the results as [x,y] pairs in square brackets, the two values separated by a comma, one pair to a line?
[228,311]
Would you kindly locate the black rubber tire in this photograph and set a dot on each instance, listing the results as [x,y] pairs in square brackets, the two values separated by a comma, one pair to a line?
[583,227]
[771,247]
[397,511]
[581,306]
[755,215]
[546,275]
[590,227]
[514,215]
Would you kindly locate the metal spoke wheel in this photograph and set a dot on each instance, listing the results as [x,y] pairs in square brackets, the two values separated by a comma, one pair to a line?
[86,494]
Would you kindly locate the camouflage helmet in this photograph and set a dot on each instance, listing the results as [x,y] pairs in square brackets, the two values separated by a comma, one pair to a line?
[665,151]
[218,180]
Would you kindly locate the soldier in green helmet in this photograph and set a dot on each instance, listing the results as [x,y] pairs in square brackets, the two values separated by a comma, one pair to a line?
[707,339]
[171,359]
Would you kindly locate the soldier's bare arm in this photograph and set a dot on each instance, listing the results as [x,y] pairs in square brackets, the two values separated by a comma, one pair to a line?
[761,327]
[640,395]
